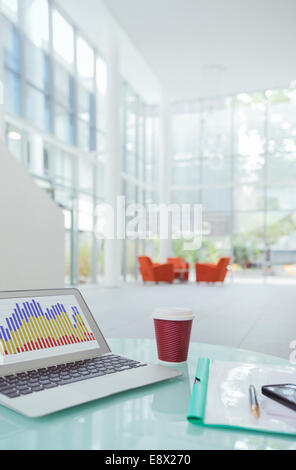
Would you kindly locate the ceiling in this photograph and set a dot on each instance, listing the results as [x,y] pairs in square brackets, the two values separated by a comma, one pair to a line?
[213,47]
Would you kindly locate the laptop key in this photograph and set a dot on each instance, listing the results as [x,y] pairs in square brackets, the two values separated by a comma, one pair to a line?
[8,390]
[26,392]
[44,382]
[48,386]
[38,388]
[70,381]
[15,394]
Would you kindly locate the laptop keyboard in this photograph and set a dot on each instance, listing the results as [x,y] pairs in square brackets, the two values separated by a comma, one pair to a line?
[25,383]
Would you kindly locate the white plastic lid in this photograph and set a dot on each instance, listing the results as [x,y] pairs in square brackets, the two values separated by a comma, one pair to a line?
[175,314]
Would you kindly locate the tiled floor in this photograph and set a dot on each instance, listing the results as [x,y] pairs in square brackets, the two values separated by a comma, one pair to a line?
[259,316]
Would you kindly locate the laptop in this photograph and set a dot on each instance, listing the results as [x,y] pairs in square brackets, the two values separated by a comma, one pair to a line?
[53,355]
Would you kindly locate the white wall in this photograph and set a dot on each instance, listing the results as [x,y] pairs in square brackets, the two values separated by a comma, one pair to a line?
[31,231]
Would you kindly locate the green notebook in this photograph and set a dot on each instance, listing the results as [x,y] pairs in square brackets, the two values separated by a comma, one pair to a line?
[220,397]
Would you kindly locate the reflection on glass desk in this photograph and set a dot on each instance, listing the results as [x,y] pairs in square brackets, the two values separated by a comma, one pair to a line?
[153,417]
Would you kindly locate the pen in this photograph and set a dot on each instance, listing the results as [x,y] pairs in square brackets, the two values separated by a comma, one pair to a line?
[255,410]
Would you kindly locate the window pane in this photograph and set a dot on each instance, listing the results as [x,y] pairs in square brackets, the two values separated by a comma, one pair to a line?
[86,136]
[64,86]
[141,142]
[216,130]
[282,135]
[37,66]
[152,130]
[85,63]
[64,125]
[281,242]
[10,8]
[63,38]
[131,262]
[85,224]
[249,169]
[281,198]
[11,92]
[216,171]
[216,240]
[249,198]
[250,119]
[101,145]
[217,199]
[185,197]
[248,241]
[37,109]
[131,193]
[101,182]
[102,91]
[150,174]
[63,167]
[85,207]
[85,255]
[86,176]
[38,160]
[131,133]
[131,163]
[36,24]
[11,51]
[186,172]
[86,104]
[281,168]
[186,135]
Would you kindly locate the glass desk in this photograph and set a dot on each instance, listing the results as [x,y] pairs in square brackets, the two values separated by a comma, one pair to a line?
[153,417]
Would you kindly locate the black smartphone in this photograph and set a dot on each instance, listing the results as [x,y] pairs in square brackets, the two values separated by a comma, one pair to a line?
[284,394]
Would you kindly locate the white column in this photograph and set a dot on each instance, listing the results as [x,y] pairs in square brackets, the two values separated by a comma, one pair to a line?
[1,83]
[36,154]
[112,176]
[164,169]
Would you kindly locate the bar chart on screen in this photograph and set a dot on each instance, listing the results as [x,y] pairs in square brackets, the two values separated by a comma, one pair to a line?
[30,325]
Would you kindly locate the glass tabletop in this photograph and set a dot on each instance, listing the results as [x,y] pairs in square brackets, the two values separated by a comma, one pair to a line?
[153,417]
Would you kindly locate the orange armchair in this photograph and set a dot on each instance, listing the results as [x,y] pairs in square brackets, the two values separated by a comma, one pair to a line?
[206,272]
[180,264]
[154,272]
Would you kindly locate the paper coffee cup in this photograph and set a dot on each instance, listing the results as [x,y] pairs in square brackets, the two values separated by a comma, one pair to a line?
[172,331]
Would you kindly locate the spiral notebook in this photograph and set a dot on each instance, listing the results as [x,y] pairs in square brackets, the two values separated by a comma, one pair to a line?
[220,397]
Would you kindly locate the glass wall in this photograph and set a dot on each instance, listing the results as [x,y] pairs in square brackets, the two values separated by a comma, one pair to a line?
[55,85]
[139,124]
[52,100]
[237,157]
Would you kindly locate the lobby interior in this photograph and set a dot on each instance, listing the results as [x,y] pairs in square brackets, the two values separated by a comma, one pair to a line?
[162,102]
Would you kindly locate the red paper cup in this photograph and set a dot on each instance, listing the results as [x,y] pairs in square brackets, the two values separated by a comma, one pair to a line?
[172,331]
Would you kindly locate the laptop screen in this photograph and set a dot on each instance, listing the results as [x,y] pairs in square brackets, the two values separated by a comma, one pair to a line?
[38,327]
